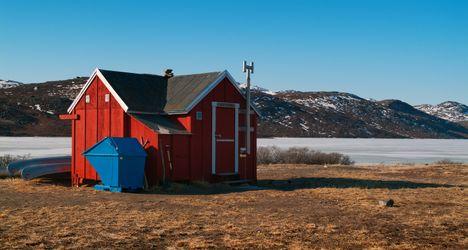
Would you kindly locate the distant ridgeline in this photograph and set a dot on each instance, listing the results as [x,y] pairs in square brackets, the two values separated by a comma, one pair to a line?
[33,109]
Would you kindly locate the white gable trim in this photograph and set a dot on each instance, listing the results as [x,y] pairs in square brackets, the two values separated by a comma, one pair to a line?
[234,82]
[97,73]
[82,91]
[205,92]
[109,87]
[221,77]
[198,99]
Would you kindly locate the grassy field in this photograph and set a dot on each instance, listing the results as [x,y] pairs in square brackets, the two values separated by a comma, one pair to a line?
[295,206]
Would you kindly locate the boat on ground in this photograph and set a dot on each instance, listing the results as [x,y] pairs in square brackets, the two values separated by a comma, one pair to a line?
[37,167]
[36,171]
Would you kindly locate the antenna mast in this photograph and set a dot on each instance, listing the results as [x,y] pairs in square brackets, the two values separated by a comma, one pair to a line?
[248,69]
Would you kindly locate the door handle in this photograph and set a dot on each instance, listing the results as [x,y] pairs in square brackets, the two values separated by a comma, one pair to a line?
[218,136]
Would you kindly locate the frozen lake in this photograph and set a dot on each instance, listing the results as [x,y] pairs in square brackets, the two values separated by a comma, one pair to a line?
[360,150]
[381,150]
[35,146]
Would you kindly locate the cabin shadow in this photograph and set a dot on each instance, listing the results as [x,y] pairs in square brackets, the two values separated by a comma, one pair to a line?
[289,185]
[201,188]
[331,182]
[62,179]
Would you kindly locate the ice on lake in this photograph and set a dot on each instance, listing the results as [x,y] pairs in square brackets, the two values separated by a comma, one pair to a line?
[381,150]
[35,146]
[360,150]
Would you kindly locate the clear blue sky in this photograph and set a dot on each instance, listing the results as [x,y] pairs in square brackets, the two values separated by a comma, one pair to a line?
[416,51]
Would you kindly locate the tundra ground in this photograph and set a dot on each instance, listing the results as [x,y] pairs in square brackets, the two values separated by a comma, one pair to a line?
[295,206]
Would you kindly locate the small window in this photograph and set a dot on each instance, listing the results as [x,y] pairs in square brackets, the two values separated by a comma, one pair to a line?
[199,115]
[106,98]
[87,99]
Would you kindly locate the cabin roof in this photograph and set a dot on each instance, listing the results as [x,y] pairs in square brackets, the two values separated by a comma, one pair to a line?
[160,124]
[155,94]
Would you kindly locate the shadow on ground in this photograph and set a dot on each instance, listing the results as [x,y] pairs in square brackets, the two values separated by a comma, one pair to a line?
[176,188]
[290,185]
[322,182]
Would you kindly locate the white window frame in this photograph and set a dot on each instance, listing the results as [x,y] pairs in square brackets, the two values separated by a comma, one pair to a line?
[199,115]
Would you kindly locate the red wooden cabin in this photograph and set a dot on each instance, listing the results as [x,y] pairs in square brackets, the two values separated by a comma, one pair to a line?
[191,126]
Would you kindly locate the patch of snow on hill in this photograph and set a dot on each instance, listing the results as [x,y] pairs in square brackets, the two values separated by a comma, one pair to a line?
[304,126]
[38,107]
[6,84]
[335,102]
[257,88]
[452,111]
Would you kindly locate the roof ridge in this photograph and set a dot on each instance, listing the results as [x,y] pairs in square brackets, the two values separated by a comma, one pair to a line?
[196,74]
[126,72]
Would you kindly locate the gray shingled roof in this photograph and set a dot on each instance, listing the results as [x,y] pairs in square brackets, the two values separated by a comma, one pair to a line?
[160,124]
[156,94]
[183,90]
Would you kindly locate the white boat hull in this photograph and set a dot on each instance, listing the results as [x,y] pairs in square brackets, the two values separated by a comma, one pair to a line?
[36,171]
[16,167]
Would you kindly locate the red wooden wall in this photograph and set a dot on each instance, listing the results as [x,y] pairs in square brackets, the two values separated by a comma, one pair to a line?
[200,143]
[97,120]
[189,155]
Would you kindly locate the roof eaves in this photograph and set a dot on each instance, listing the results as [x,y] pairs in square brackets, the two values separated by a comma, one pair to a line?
[172,112]
[162,129]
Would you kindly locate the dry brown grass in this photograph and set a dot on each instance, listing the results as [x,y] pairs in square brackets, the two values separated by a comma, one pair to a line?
[299,207]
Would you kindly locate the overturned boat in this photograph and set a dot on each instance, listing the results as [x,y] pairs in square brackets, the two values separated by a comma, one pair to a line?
[38,167]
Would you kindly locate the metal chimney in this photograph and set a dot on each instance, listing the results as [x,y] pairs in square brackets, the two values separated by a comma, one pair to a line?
[168,73]
[248,69]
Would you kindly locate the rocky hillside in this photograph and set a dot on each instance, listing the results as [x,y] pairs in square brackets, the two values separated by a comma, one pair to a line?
[5,84]
[335,114]
[32,109]
[464,123]
[451,111]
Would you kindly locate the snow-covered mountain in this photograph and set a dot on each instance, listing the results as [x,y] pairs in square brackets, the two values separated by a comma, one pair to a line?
[336,114]
[450,110]
[32,109]
[5,84]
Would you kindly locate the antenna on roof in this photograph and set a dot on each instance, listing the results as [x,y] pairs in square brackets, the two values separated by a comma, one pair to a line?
[248,69]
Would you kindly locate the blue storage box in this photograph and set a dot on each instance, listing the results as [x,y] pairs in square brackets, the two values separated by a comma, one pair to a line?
[120,163]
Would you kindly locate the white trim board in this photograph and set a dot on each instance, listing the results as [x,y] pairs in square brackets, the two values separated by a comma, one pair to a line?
[82,91]
[206,91]
[233,81]
[224,74]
